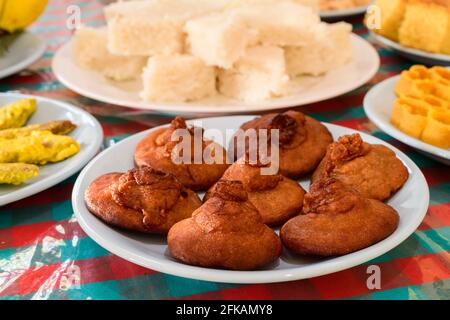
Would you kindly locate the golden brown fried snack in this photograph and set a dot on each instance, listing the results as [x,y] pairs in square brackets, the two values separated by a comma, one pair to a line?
[156,149]
[276,197]
[143,199]
[337,220]
[303,141]
[225,232]
[372,169]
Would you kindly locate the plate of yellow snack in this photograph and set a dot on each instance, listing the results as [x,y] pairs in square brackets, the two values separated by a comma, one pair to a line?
[414,29]
[42,142]
[414,108]
[214,56]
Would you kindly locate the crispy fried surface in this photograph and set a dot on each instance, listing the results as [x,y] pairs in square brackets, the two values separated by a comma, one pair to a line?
[155,150]
[373,170]
[142,199]
[337,220]
[303,141]
[225,232]
[276,197]
[56,127]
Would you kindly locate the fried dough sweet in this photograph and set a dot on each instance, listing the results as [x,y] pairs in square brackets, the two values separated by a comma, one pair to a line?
[276,197]
[225,232]
[142,199]
[302,141]
[157,149]
[337,220]
[372,169]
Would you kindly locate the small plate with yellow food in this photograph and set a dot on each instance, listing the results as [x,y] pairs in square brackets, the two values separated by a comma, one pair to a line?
[42,142]
[414,107]
[417,30]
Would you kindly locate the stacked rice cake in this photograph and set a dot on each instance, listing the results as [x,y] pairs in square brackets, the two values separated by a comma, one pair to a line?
[330,48]
[194,48]
[153,26]
[90,52]
[259,75]
[172,78]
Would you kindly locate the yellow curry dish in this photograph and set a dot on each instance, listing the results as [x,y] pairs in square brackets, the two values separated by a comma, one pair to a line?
[17,173]
[422,107]
[16,114]
[39,147]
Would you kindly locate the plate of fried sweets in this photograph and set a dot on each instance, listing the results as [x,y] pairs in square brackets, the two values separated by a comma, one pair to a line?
[306,199]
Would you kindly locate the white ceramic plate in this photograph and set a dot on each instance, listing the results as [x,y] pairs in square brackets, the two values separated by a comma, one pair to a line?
[411,202]
[310,89]
[378,104]
[88,133]
[345,13]
[24,51]
[423,57]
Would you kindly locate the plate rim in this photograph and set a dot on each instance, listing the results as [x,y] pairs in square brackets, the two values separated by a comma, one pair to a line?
[237,107]
[21,65]
[259,276]
[330,14]
[411,51]
[391,130]
[54,179]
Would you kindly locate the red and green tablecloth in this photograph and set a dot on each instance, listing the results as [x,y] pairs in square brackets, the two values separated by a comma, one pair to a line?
[43,249]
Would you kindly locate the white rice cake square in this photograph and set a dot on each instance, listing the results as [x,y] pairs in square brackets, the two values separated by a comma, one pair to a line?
[153,26]
[219,39]
[282,24]
[90,52]
[330,49]
[259,75]
[177,78]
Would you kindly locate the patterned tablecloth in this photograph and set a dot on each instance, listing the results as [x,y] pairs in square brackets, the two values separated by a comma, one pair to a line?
[43,249]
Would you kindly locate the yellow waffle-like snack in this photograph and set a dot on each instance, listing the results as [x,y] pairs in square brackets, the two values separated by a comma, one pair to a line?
[437,130]
[422,109]
[419,80]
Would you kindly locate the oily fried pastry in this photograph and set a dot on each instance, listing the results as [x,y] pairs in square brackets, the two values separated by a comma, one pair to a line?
[157,149]
[372,169]
[225,232]
[276,197]
[337,220]
[302,141]
[142,199]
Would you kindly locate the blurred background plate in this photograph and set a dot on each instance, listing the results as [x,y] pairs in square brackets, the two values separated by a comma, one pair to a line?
[423,57]
[24,51]
[363,67]
[341,14]
[378,105]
